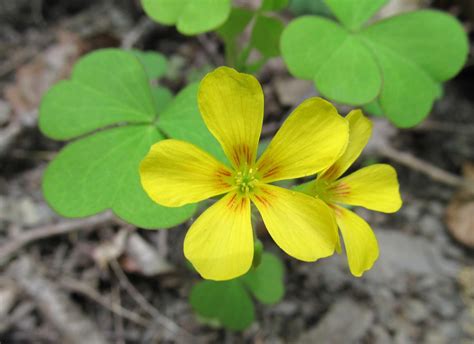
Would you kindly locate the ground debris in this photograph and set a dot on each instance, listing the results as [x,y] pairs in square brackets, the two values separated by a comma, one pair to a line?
[339,326]
[54,305]
[460,212]
[141,257]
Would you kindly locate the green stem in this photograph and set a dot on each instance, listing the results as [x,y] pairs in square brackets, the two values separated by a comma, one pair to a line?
[230,48]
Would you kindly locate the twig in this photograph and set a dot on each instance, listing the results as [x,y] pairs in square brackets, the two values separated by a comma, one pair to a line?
[19,313]
[16,243]
[55,305]
[134,35]
[425,167]
[115,299]
[79,287]
[144,304]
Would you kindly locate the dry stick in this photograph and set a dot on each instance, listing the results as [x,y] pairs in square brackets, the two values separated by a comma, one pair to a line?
[425,167]
[16,243]
[144,304]
[134,35]
[66,316]
[79,287]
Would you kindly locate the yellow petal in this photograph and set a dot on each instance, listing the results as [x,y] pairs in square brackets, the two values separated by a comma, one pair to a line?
[310,140]
[231,105]
[359,240]
[360,130]
[303,226]
[373,187]
[219,244]
[175,173]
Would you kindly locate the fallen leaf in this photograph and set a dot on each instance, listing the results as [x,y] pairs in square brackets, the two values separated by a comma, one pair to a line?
[141,257]
[34,78]
[110,250]
[460,212]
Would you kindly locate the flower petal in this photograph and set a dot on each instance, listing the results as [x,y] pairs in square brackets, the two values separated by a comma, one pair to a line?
[373,187]
[175,173]
[219,244]
[359,240]
[231,105]
[303,226]
[360,129]
[310,140]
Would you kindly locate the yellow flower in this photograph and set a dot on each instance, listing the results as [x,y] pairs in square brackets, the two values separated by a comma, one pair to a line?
[219,244]
[374,187]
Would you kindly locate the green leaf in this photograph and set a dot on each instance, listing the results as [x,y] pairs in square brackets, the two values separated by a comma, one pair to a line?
[99,170]
[342,67]
[358,87]
[191,17]
[373,108]
[266,35]
[354,13]
[239,18]
[182,120]
[439,45]
[266,281]
[273,5]
[95,97]
[408,92]
[414,58]
[162,98]
[227,302]
[348,67]
[155,64]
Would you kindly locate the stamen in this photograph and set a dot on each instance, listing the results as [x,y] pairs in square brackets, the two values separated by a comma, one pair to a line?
[245,180]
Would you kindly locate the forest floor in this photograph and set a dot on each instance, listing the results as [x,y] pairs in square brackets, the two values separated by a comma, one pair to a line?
[99,280]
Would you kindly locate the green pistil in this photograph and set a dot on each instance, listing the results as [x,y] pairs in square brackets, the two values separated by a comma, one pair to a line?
[245,181]
[321,189]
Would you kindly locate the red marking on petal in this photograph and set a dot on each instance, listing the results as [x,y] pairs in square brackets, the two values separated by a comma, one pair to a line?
[336,209]
[262,201]
[242,154]
[341,189]
[222,172]
[330,172]
[230,203]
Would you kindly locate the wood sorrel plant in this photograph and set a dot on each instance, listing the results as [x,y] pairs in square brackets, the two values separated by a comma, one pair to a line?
[220,242]
[151,156]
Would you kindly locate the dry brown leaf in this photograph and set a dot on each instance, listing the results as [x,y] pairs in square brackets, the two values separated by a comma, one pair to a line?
[33,79]
[141,257]
[460,212]
[110,250]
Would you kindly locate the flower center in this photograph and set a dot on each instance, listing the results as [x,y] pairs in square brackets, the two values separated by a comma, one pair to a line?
[245,180]
[321,190]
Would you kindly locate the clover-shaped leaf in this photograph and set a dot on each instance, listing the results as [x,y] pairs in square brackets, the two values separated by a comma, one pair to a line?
[266,281]
[266,35]
[191,17]
[398,62]
[155,64]
[112,113]
[354,13]
[239,18]
[229,303]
